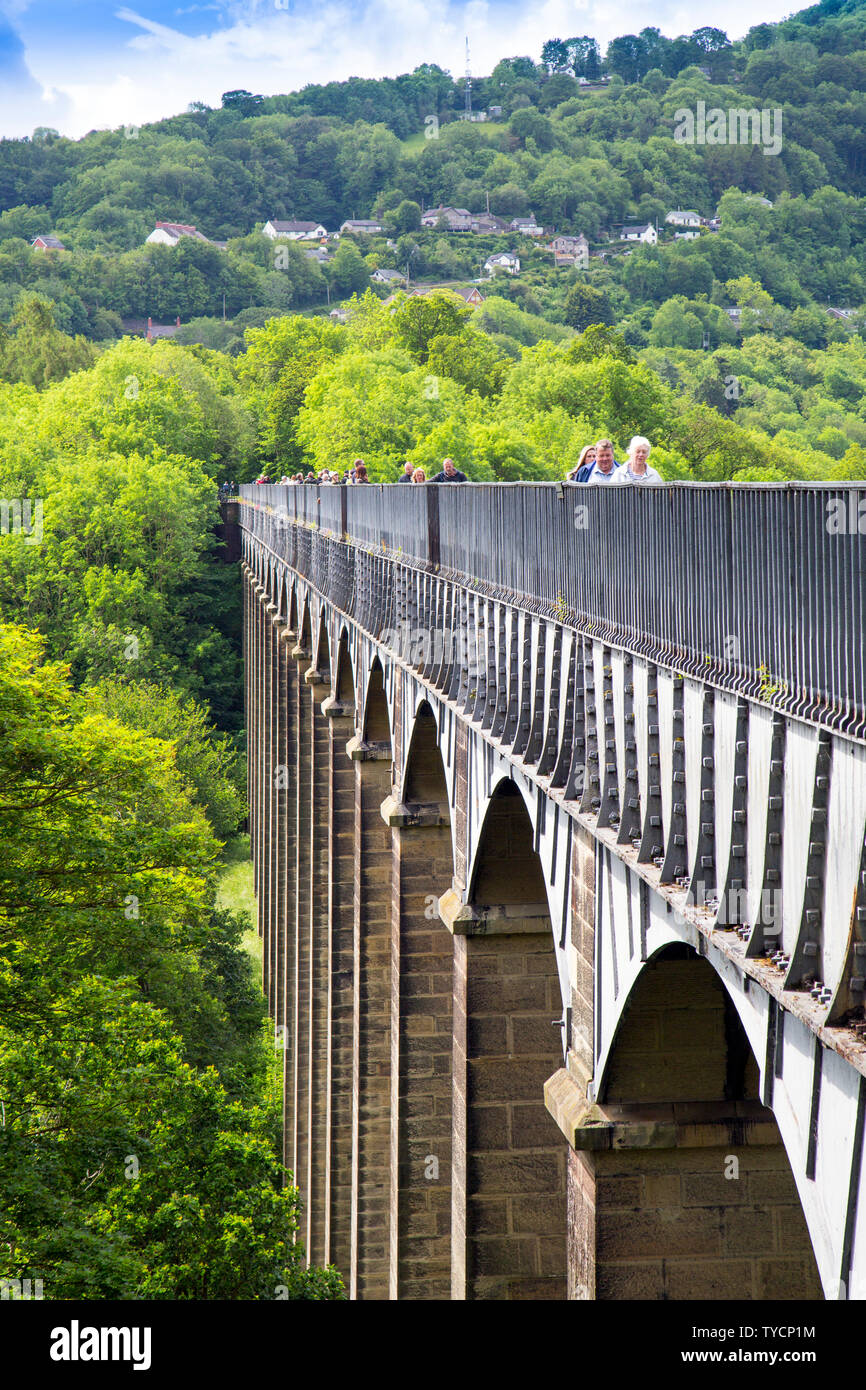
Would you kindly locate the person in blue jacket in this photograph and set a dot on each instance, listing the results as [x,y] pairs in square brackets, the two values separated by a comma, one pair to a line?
[604,468]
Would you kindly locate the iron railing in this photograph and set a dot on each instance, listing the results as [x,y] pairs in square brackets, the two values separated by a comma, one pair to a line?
[759,588]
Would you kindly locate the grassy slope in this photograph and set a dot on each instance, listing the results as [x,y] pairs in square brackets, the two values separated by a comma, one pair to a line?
[414,143]
[236,890]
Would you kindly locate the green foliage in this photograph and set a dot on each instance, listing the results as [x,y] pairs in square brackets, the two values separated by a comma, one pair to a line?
[374,405]
[469,358]
[420,319]
[206,760]
[122,580]
[585,305]
[35,351]
[281,360]
[500,318]
[406,217]
[347,272]
[599,340]
[138,1150]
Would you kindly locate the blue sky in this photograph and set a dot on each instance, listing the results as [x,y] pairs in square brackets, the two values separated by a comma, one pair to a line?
[83,64]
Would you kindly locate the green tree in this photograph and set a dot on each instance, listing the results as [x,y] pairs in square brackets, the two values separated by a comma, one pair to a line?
[347,272]
[471,359]
[374,405]
[37,352]
[585,305]
[127,1170]
[206,760]
[674,325]
[421,318]
[406,217]
[599,340]
[281,360]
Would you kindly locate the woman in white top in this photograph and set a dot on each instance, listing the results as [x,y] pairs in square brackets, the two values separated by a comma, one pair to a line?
[636,469]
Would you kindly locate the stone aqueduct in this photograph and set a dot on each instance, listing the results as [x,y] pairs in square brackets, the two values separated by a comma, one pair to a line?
[557,806]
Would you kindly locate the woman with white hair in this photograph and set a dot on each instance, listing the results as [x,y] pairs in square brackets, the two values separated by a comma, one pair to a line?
[636,469]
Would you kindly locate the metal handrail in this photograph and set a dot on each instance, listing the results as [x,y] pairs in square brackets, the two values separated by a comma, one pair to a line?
[758,587]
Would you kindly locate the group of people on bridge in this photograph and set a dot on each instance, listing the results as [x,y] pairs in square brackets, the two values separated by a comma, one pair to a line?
[596,464]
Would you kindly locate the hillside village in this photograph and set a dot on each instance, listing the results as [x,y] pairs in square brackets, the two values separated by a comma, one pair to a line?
[558,193]
[567,250]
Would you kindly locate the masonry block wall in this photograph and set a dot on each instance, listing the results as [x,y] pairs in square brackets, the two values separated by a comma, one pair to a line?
[442,1147]
[679,1185]
[509,1197]
[671,1225]
[421,974]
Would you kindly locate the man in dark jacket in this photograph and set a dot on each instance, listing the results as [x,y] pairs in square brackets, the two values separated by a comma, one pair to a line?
[449,473]
[406,475]
[603,469]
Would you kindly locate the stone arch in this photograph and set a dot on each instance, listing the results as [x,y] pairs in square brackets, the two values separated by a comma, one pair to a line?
[421,1058]
[509,1171]
[700,1018]
[376,727]
[696,1197]
[371,1269]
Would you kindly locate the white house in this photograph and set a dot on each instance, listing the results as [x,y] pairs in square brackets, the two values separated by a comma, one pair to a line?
[170,233]
[678,218]
[384,276]
[503,260]
[527,226]
[294,231]
[645,233]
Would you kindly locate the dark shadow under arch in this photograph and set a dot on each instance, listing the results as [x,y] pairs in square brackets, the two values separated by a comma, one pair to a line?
[507,989]
[344,677]
[293,608]
[322,655]
[679,1037]
[701,1202]
[425,771]
[305,636]
[422,952]
[507,867]
[377,727]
